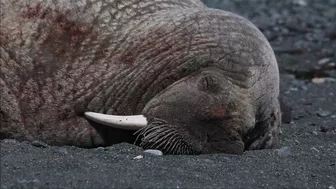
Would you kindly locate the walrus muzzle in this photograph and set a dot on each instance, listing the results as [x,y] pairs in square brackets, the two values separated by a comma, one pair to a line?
[157,134]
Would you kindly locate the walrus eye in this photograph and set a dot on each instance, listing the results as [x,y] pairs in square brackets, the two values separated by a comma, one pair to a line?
[208,83]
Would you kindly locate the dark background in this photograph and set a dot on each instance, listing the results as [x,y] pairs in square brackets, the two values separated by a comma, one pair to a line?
[303,36]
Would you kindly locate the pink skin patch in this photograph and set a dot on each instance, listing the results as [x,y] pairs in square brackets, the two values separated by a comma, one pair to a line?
[90,130]
[64,31]
[217,112]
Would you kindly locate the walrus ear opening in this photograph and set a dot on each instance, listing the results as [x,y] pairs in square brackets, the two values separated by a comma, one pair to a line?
[208,83]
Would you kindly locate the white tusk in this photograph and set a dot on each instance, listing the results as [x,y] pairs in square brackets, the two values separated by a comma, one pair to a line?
[134,122]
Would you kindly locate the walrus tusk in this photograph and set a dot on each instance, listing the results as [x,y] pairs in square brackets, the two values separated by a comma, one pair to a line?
[134,122]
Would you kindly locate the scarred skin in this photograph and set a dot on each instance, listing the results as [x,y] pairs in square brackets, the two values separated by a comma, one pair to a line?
[208,74]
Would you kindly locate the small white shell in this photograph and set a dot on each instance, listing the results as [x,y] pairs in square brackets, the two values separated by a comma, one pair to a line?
[154,152]
[138,157]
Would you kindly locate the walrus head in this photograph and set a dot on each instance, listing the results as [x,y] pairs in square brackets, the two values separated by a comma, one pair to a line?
[202,113]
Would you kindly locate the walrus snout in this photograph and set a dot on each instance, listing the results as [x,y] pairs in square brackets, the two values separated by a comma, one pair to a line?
[230,143]
[197,117]
[188,139]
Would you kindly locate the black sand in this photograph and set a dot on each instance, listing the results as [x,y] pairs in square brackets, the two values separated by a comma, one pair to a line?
[303,35]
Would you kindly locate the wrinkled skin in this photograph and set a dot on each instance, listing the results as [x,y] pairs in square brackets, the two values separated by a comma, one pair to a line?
[206,80]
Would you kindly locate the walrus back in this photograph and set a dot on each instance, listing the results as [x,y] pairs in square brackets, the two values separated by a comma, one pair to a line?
[55,55]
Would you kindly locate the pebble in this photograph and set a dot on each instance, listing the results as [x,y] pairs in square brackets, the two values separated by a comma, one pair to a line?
[100,149]
[61,150]
[323,61]
[318,80]
[138,157]
[287,92]
[10,141]
[285,151]
[315,149]
[287,76]
[323,113]
[22,181]
[304,87]
[315,133]
[331,187]
[326,129]
[39,144]
[208,161]
[25,181]
[330,79]
[300,2]
[323,80]
[293,89]
[298,85]
[154,152]
[331,64]
[296,141]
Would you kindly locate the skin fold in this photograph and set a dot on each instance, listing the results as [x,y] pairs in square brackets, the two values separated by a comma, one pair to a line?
[206,80]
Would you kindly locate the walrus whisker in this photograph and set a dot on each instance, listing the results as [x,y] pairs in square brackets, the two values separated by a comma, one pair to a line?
[174,144]
[160,135]
[170,143]
[167,144]
[184,148]
[143,131]
[157,135]
[188,150]
[181,149]
[161,139]
[159,131]
[164,138]
[154,123]
[148,129]
[174,138]
[151,128]
[177,142]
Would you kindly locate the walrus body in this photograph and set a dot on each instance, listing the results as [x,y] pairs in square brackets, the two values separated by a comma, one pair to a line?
[206,80]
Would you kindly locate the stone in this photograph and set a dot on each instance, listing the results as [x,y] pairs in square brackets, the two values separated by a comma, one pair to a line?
[323,113]
[154,152]
[138,157]
[39,144]
[61,150]
[285,151]
[323,61]
[318,80]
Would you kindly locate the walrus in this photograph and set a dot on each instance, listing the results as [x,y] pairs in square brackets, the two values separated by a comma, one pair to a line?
[184,78]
